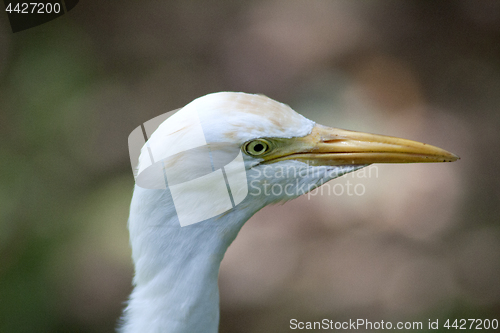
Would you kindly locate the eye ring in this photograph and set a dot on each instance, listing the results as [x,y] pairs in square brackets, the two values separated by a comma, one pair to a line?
[256,147]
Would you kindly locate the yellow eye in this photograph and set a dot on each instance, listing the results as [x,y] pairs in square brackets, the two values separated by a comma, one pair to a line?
[256,147]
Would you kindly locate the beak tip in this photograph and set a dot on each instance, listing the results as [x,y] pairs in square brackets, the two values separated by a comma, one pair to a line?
[451,158]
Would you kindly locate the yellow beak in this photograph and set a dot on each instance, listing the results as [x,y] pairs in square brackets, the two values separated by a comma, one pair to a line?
[334,146]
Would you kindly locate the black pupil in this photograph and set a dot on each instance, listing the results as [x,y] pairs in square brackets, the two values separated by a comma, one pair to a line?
[258,147]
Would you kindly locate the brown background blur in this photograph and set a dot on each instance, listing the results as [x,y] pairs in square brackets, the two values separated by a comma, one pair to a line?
[423,242]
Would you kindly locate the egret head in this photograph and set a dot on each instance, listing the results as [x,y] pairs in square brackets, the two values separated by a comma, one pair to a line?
[283,154]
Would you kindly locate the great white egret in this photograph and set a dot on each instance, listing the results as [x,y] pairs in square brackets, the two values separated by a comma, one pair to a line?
[176,264]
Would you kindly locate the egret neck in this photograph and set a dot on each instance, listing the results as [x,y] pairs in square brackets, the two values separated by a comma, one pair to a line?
[177,268]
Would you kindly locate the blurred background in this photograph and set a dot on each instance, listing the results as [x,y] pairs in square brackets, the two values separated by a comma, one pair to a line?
[422,242]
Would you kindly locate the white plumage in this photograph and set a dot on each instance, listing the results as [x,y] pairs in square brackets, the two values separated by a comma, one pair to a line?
[176,268]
